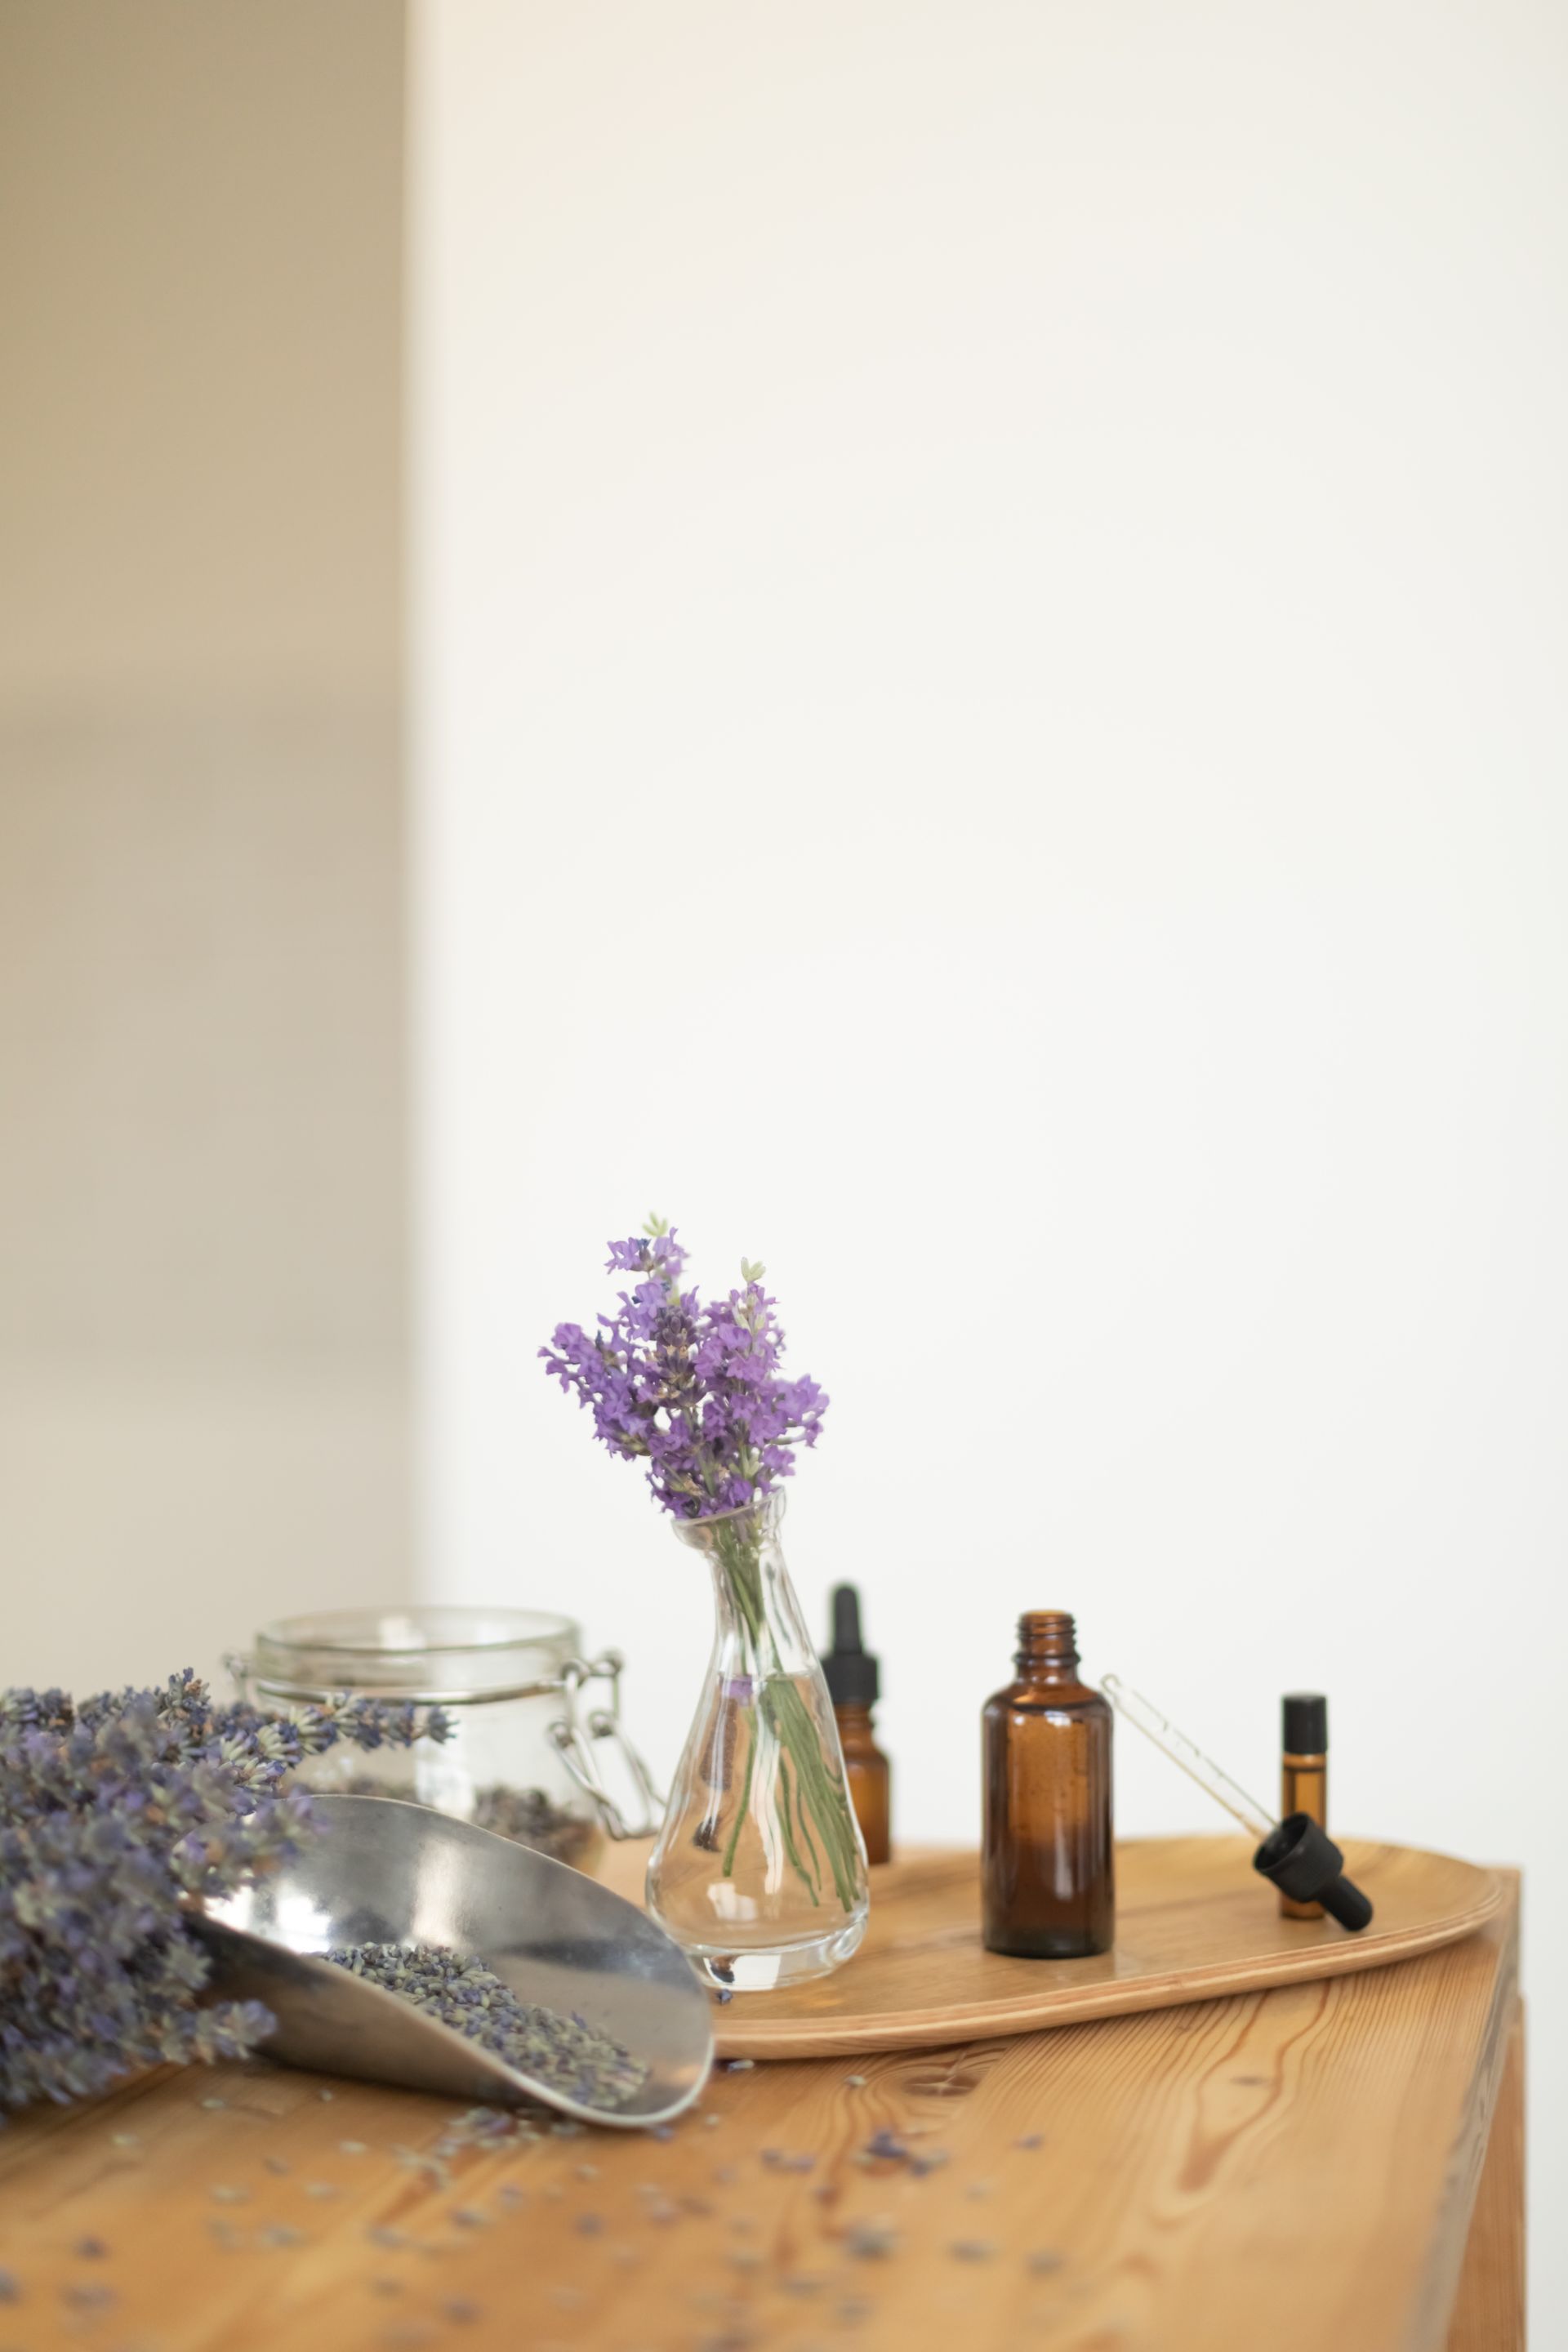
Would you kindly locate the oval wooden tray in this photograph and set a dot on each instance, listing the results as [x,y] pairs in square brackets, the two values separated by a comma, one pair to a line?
[1193,1922]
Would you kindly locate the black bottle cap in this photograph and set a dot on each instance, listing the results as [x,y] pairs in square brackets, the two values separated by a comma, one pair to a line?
[1306,1723]
[849,1668]
[1305,1864]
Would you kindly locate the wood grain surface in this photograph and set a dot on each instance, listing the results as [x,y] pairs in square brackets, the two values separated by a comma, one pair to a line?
[1193,1921]
[1283,2170]
[1489,2312]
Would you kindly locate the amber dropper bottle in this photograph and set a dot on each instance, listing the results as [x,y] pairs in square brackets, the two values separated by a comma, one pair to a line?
[1048,1867]
[853,1684]
[1304,1778]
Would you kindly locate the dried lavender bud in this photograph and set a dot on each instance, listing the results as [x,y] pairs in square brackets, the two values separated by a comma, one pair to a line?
[1031,2139]
[973,2250]
[90,2250]
[870,2240]
[1044,2262]
[115,1812]
[10,2292]
[84,2294]
[562,2053]
[527,1816]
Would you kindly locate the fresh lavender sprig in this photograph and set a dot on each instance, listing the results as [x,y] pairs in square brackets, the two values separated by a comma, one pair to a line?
[694,1391]
[115,1814]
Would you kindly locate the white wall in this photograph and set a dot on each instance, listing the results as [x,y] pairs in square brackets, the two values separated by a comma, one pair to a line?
[988,660]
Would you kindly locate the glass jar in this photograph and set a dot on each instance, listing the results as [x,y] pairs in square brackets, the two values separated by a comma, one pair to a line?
[523,1757]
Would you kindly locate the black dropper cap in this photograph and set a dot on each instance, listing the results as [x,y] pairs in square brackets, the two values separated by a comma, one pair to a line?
[1305,1864]
[1306,1723]
[849,1668]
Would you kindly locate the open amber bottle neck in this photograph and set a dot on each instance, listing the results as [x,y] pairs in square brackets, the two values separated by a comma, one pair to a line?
[1046,1650]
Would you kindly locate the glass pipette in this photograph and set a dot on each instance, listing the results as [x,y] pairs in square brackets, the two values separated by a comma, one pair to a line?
[1299,1857]
[1193,1761]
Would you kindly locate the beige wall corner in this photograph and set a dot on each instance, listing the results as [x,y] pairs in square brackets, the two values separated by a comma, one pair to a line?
[202,1288]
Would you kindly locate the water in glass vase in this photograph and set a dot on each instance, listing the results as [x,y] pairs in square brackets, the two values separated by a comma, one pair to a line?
[759,1871]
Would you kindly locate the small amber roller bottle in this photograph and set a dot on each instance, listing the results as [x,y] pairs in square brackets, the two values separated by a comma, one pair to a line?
[853,1683]
[1304,1780]
[1047,1870]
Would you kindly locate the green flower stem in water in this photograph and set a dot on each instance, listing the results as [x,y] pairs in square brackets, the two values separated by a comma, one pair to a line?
[821,1802]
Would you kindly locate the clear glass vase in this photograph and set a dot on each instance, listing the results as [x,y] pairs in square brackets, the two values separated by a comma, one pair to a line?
[758,1871]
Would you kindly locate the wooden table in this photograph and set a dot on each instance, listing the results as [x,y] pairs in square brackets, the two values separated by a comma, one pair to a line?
[1331,2164]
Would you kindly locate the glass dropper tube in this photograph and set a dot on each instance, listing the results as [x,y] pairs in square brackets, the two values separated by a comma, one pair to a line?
[1193,1761]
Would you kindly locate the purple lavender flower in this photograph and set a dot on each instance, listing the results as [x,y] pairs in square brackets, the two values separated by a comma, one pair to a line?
[695,1391]
[114,1815]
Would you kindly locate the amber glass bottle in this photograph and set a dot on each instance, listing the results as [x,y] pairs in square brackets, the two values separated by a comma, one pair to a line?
[1048,1871]
[1304,1777]
[853,1683]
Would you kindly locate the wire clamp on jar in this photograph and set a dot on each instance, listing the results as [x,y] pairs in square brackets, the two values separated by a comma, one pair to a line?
[578,1737]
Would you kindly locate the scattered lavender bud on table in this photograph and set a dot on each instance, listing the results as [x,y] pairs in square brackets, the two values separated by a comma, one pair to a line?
[90,2250]
[87,2294]
[1043,2262]
[10,2292]
[870,2240]
[973,2250]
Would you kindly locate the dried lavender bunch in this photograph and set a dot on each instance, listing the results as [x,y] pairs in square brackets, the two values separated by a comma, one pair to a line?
[116,1815]
[560,2052]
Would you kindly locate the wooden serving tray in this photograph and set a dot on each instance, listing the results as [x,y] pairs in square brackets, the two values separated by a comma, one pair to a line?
[1193,1923]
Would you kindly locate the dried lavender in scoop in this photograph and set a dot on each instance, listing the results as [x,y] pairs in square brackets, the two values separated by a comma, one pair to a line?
[562,2053]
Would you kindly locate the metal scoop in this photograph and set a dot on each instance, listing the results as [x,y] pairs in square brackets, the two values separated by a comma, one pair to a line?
[391,1872]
